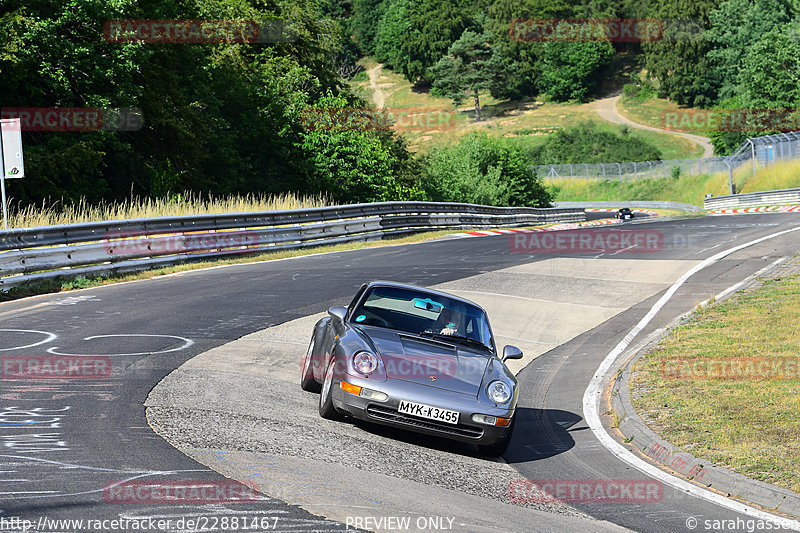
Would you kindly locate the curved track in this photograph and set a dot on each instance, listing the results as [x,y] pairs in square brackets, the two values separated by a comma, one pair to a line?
[64,441]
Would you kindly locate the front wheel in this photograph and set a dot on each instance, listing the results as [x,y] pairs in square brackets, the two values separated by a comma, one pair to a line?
[326,408]
[307,381]
[498,448]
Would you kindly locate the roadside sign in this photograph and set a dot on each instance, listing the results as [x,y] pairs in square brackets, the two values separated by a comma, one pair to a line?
[12,148]
[10,157]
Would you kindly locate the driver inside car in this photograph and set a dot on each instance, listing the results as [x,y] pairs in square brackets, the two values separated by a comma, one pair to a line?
[449,321]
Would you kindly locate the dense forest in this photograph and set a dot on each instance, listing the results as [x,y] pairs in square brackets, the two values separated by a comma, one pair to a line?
[227,117]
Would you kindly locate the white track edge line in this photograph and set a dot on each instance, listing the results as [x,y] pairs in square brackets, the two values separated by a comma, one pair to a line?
[591,399]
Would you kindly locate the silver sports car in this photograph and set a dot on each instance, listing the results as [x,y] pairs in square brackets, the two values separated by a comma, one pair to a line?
[414,358]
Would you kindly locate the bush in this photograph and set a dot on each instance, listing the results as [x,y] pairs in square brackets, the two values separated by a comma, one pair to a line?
[483,170]
[638,89]
[589,143]
[352,164]
[569,69]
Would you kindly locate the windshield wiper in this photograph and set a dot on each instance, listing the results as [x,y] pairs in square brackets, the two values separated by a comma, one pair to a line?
[461,338]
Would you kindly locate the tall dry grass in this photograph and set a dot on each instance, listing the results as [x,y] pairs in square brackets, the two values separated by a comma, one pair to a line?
[57,213]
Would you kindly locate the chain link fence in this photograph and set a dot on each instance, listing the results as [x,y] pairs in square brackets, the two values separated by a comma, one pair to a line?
[755,151]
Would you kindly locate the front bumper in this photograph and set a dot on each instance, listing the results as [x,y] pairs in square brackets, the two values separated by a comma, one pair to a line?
[386,412]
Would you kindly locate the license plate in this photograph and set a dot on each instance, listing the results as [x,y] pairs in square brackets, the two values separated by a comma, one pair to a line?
[428,411]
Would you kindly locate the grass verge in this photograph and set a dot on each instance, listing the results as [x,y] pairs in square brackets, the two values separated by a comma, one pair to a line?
[650,111]
[748,425]
[783,175]
[686,189]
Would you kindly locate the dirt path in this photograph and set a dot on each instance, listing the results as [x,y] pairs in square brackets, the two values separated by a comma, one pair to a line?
[607,109]
[377,92]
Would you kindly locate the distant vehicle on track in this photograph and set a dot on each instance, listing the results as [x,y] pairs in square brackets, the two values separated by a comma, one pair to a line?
[417,359]
[624,213]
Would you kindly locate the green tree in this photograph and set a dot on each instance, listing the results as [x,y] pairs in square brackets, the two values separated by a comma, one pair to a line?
[366,18]
[470,67]
[770,73]
[218,117]
[392,29]
[415,34]
[679,60]
[768,79]
[523,59]
[483,170]
[569,69]
[349,162]
[735,26]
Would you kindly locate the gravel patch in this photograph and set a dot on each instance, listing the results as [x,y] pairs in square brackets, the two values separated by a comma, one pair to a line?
[200,409]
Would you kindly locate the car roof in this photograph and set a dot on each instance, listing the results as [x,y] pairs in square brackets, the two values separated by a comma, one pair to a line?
[380,283]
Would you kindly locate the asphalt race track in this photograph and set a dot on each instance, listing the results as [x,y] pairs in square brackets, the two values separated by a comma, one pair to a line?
[64,442]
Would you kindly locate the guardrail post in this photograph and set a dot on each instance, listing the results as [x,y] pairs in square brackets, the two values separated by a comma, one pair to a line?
[730,176]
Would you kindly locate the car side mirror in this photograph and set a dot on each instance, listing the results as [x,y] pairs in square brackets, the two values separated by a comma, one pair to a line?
[338,311]
[511,352]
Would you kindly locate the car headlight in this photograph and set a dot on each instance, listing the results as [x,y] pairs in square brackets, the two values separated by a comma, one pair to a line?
[365,362]
[498,392]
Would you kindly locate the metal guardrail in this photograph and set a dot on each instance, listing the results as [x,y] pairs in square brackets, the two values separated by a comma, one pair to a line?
[754,199]
[96,248]
[639,204]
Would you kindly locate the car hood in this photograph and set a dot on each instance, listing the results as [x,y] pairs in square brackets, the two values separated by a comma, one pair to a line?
[429,362]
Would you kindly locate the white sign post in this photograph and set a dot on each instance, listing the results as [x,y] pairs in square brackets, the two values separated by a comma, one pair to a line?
[10,157]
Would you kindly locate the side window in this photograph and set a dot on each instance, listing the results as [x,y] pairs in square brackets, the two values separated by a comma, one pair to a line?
[356,299]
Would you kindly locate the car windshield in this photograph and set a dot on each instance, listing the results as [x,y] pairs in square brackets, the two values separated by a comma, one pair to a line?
[418,312]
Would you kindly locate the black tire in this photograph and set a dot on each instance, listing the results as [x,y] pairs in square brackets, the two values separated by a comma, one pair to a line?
[498,448]
[307,381]
[326,408]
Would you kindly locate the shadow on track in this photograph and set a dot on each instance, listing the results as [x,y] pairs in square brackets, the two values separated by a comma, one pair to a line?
[542,433]
[539,434]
